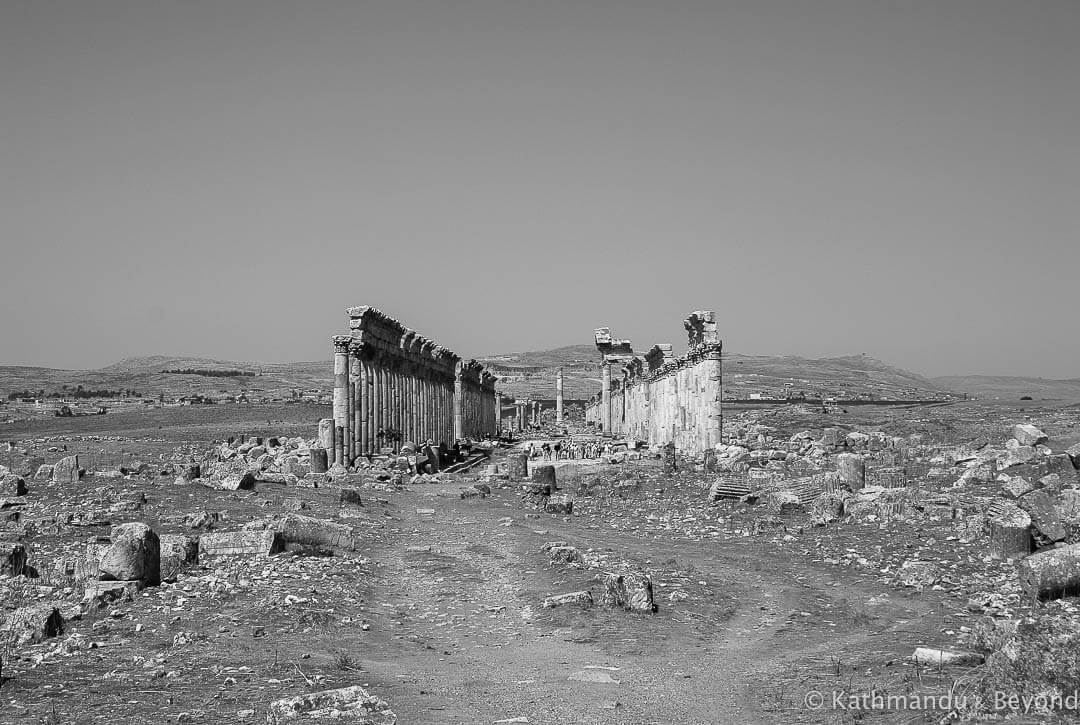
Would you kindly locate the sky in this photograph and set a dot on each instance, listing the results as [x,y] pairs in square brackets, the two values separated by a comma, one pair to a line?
[222,178]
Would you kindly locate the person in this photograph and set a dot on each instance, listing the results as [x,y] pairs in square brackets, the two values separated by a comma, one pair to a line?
[546,448]
[558,448]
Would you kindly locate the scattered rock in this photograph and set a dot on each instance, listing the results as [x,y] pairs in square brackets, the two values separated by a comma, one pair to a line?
[1051,574]
[582,599]
[632,591]
[134,554]
[1028,435]
[66,470]
[938,657]
[351,705]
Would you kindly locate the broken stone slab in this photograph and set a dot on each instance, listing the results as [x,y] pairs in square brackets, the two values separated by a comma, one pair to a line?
[582,599]
[941,658]
[134,553]
[66,470]
[827,508]
[1045,516]
[241,543]
[236,482]
[1016,487]
[44,472]
[347,705]
[33,623]
[12,485]
[310,531]
[12,558]
[594,676]
[1051,574]
[632,591]
[1028,435]
[1015,456]
[177,551]
[561,504]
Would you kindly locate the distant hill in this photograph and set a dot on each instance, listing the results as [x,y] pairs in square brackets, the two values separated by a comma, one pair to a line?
[146,375]
[533,374]
[997,386]
[521,374]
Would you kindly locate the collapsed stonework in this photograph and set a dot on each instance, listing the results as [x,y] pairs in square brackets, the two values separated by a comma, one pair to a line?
[660,398]
[391,383]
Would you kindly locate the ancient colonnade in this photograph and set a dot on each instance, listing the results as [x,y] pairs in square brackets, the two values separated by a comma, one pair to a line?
[658,397]
[392,384]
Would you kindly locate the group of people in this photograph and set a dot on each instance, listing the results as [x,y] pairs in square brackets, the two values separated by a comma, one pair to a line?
[572,450]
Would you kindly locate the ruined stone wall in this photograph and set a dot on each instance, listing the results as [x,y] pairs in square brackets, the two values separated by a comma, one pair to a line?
[661,398]
[389,378]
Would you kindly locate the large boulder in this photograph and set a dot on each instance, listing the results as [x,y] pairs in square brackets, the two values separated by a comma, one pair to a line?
[544,474]
[917,574]
[1074,454]
[326,434]
[518,466]
[309,531]
[66,470]
[33,623]
[1028,435]
[1051,574]
[133,555]
[12,558]
[632,591]
[44,472]
[12,485]
[783,502]
[559,504]
[1015,455]
[345,706]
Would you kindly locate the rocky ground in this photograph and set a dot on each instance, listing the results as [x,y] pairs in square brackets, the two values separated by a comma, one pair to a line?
[855,539]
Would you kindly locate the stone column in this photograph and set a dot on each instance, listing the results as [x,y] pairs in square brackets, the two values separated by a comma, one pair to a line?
[605,396]
[559,398]
[459,420]
[713,397]
[341,395]
[365,407]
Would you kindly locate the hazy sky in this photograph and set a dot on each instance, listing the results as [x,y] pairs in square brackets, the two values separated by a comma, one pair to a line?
[223,178]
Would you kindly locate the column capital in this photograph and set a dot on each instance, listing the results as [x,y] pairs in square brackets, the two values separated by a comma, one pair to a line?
[342,343]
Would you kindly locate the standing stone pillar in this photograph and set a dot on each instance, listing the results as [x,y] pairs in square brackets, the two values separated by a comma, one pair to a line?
[559,398]
[365,408]
[341,393]
[459,420]
[714,396]
[605,396]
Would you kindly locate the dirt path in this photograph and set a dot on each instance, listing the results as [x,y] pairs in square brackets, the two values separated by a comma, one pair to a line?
[460,636]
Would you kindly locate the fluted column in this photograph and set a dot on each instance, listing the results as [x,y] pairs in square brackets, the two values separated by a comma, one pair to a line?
[341,393]
[605,396]
[459,403]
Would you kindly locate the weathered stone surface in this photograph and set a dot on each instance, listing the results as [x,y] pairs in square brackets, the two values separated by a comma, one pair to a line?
[565,555]
[12,485]
[544,474]
[309,531]
[66,470]
[326,434]
[1028,435]
[1016,487]
[238,482]
[134,554]
[632,591]
[12,558]
[561,504]
[939,657]
[583,599]
[348,705]
[1010,531]
[320,460]
[1051,574]
[34,623]
[44,472]
[1045,516]
[241,543]
[918,574]
[827,508]
[852,470]
[177,551]
[1074,454]
[518,466]
[1015,456]
[783,502]
[350,497]
[103,593]
[29,466]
